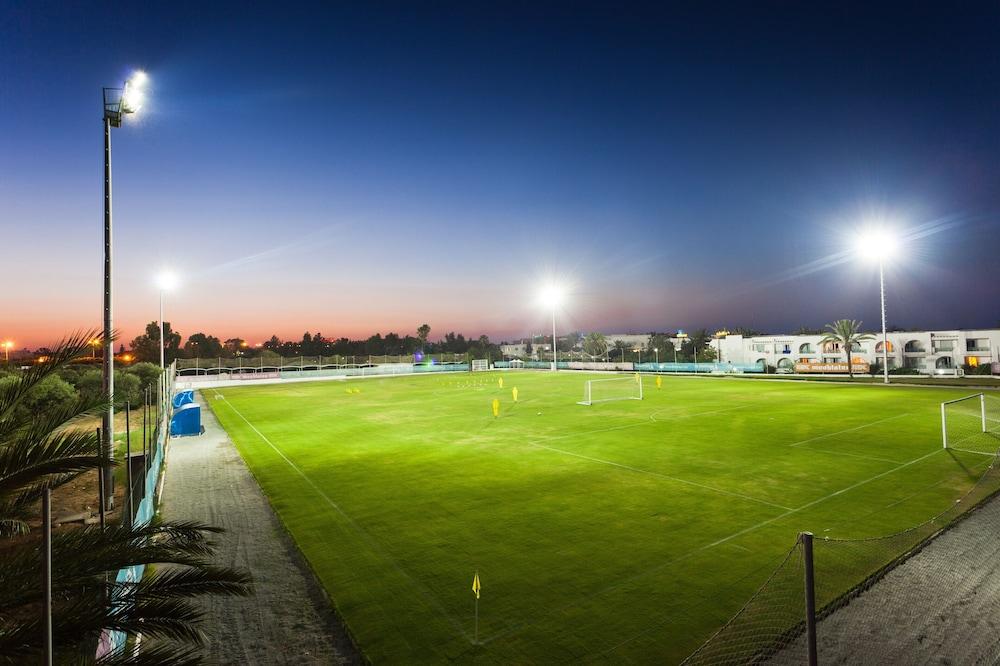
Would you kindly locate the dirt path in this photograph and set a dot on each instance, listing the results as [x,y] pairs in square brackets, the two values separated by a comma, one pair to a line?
[942,606]
[288,620]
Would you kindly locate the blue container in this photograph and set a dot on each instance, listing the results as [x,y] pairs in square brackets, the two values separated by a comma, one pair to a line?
[183,398]
[186,420]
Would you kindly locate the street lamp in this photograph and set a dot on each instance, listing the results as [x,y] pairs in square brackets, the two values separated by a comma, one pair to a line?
[878,245]
[166,282]
[6,350]
[656,350]
[118,102]
[552,296]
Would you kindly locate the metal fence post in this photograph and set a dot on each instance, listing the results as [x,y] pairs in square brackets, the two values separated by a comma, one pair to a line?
[47,574]
[944,426]
[810,591]
[982,407]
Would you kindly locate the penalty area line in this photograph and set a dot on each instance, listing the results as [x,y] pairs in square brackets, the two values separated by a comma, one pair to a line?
[517,628]
[841,432]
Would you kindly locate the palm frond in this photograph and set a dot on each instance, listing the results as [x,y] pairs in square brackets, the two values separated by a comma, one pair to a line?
[30,461]
[176,583]
[83,557]
[69,349]
[151,653]
[55,420]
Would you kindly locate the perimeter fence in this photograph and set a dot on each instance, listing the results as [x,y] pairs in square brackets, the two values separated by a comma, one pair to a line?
[268,362]
[142,484]
[836,600]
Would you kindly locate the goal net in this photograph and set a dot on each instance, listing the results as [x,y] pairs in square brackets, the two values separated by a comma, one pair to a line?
[479,364]
[615,388]
[971,424]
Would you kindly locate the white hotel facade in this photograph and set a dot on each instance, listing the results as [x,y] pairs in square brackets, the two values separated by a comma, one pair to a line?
[925,352]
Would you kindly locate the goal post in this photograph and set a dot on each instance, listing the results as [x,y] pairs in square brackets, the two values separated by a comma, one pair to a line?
[966,426]
[480,364]
[614,388]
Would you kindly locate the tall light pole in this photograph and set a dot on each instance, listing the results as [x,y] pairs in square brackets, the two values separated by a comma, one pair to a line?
[878,245]
[117,103]
[6,351]
[552,296]
[656,350]
[166,281]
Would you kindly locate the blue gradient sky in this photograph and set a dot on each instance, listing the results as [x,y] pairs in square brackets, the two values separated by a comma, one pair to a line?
[353,169]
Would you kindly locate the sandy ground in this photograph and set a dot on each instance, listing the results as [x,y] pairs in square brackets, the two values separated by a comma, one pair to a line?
[289,619]
[942,606]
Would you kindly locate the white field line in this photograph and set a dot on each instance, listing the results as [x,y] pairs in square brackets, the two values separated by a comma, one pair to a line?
[372,543]
[518,627]
[841,432]
[852,455]
[639,470]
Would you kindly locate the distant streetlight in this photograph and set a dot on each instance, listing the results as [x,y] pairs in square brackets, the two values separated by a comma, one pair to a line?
[6,350]
[166,282]
[118,102]
[552,296]
[656,350]
[878,245]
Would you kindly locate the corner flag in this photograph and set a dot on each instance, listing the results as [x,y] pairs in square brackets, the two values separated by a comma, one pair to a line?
[475,585]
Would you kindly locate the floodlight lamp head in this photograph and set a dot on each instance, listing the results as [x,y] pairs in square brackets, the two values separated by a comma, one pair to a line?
[133,92]
[875,244]
[552,295]
[166,281]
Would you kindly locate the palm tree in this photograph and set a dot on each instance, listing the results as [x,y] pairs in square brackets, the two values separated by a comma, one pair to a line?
[595,344]
[846,332]
[40,452]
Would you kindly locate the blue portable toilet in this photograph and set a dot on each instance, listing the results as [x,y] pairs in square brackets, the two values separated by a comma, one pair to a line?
[183,398]
[186,420]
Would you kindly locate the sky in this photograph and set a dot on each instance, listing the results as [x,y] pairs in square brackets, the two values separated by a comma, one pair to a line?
[350,168]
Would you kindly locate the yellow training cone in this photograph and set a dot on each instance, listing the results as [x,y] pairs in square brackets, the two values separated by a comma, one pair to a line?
[659,382]
[500,382]
[496,407]
[513,393]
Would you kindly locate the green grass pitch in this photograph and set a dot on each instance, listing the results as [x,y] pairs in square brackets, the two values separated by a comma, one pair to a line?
[620,532]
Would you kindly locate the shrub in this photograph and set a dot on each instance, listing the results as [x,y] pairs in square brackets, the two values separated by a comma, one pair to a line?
[50,394]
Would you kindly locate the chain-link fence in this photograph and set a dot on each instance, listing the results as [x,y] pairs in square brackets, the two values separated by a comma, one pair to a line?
[927,594]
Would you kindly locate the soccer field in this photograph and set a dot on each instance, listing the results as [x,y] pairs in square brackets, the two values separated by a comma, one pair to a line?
[622,531]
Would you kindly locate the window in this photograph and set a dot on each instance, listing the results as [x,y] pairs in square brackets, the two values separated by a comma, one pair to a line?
[944,345]
[805,348]
[786,349]
[977,345]
[759,347]
[914,346]
[878,348]
[831,347]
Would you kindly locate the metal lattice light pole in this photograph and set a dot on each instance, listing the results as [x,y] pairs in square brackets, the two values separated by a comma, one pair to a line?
[117,103]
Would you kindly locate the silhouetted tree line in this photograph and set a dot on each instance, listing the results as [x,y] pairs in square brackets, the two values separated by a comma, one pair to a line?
[146,347]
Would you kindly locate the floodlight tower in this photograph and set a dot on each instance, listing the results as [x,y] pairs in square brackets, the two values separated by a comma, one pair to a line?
[118,102]
[552,296]
[166,282]
[877,245]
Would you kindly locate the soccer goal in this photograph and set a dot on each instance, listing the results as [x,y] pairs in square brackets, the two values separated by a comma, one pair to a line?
[615,388]
[480,364]
[967,425]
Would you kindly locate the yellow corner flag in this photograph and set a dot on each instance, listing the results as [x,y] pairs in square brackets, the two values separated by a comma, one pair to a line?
[659,382]
[500,381]
[496,407]
[475,585]
[513,393]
